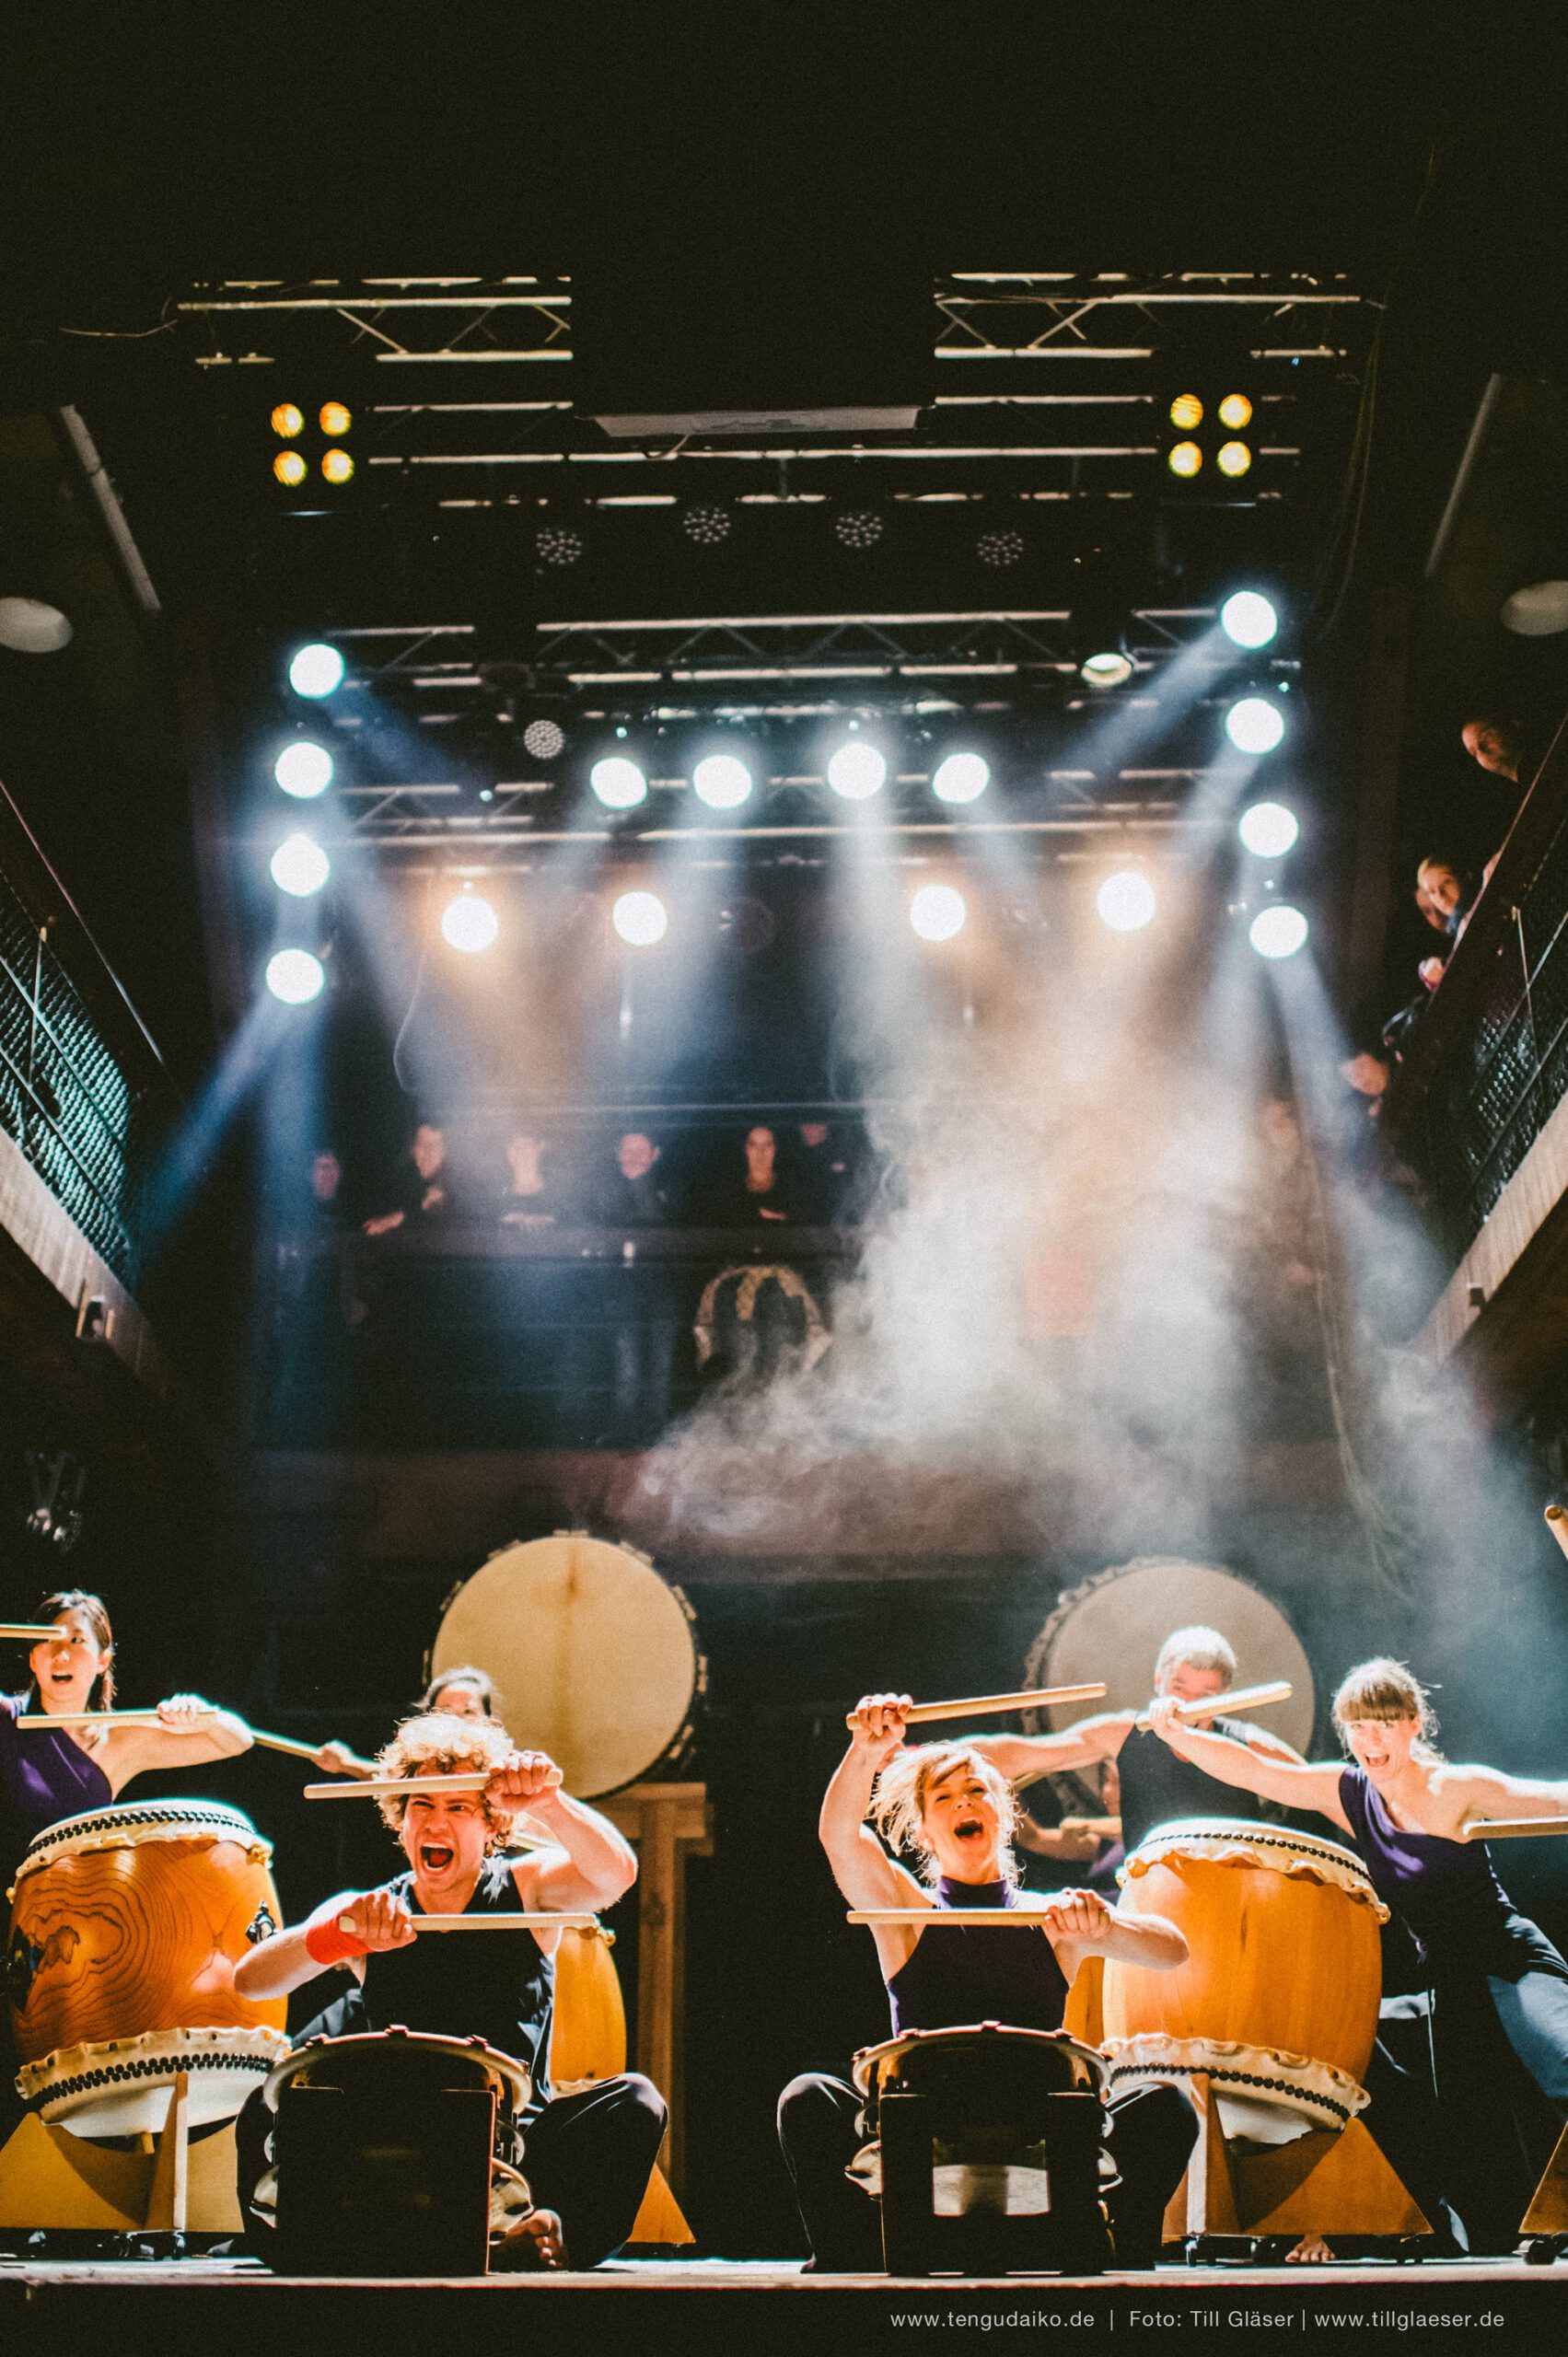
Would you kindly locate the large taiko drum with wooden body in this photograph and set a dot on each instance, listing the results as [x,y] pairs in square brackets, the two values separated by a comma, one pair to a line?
[126,1925]
[1277,2003]
[587,2038]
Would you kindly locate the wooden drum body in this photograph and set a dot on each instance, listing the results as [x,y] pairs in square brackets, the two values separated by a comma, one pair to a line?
[126,1925]
[587,2038]
[1277,2003]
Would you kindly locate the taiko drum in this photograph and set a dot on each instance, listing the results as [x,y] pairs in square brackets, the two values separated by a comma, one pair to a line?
[1277,2003]
[126,1925]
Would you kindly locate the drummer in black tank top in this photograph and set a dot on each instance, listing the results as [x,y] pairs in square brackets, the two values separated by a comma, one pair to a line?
[957,1812]
[588,2155]
[1194,1664]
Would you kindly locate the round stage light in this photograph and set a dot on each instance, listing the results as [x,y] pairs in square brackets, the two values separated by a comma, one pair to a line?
[1278,932]
[963,777]
[1539,611]
[1236,412]
[938,912]
[304,770]
[1107,669]
[858,528]
[857,770]
[708,527]
[1186,412]
[316,670]
[640,919]
[1254,725]
[558,544]
[1126,901]
[30,626]
[1001,547]
[338,466]
[469,924]
[290,469]
[1248,619]
[288,419]
[334,418]
[299,866]
[544,740]
[722,781]
[619,783]
[295,976]
[1268,830]
[1185,460]
[1232,458]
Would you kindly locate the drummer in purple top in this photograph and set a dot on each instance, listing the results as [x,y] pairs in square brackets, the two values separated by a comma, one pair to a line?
[956,1812]
[1490,1971]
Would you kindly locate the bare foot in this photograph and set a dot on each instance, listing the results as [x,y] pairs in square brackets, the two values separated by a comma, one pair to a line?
[534,2241]
[1311,2251]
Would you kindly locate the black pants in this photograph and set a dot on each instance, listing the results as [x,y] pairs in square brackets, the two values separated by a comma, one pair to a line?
[587,2156]
[1149,2134]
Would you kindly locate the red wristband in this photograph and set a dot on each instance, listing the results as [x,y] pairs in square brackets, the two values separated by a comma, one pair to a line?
[326,1942]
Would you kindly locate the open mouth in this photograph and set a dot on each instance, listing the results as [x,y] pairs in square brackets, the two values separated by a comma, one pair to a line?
[968,1828]
[435,1856]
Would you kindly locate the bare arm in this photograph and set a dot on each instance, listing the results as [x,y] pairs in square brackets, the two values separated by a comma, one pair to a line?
[862,1868]
[1021,1756]
[1293,1783]
[1080,1924]
[276,1967]
[188,1731]
[588,1863]
[1490,1792]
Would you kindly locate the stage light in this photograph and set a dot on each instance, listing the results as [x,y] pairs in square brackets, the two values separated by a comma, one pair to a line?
[938,912]
[1278,932]
[858,528]
[304,770]
[289,468]
[963,777]
[1105,669]
[295,976]
[1249,619]
[1232,458]
[1186,413]
[30,626]
[857,770]
[1001,546]
[640,919]
[722,781]
[1254,725]
[288,420]
[334,418]
[1184,460]
[469,922]
[316,670]
[338,466]
[619,783]
[1268,830]
[707,526]
[1236,412]
[544,740]
[556,544]
[299,866]
[1126,901]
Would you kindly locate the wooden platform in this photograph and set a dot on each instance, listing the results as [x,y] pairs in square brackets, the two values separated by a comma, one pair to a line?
[204,2308]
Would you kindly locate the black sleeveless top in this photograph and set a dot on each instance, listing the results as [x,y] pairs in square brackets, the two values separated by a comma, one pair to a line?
[496,1985]
[1447,1892]
[1156,1785]
[959,1973]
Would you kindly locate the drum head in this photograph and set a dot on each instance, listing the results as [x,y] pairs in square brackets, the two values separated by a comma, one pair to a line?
[987,2059]
[1113,1626]
[402,2065]
[593,1653]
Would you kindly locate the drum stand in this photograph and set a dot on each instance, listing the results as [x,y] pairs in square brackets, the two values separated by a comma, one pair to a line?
[1547,2217]
[1069,2239]
[52,2180]
[1330,2181]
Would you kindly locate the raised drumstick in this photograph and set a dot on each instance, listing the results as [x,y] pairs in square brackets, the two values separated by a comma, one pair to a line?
[1031,1917]
[1556,1522]
[89,1719]
[1511,1829]
[373,1788]
[515,1922]
[977,1706]
[1224,1706]
[27,1633]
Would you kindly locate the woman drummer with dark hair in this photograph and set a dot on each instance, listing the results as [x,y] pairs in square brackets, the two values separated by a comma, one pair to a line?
[1495,1981]
[955,1811]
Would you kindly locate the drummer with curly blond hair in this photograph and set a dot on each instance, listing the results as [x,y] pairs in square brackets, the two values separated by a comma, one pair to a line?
[954,1812]
[588,2156]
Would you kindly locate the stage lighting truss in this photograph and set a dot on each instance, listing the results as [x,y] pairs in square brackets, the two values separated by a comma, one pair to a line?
[709,527]
[858,529]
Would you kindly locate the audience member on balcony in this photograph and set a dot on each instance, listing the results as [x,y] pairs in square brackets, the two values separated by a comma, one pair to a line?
[325,1208]
[530,1200]
[756,1191]
[826,1176]
[425,1184]
[1445,900]
[1496,743]
[628,1195]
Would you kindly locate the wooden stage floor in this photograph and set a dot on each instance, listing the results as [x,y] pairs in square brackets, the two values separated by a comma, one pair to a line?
[683,2308]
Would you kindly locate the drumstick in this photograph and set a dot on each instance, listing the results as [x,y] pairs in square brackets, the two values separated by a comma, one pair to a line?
[372,1789]
[89,1719]
[1511,1829]
[1246,1697]
[517,1923]
[26,1632]
[285,1743]
[975,1706]
[874,1915]
[1556,1522]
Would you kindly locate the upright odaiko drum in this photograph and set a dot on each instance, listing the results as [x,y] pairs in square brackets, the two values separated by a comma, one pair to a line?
[126,1925]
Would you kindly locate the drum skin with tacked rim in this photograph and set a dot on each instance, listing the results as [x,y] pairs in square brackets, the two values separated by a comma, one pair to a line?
[400,2065]
[126,1925]
[594,1653]
[1277,2003]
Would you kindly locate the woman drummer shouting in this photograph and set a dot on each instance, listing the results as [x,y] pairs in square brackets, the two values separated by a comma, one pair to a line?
[948,1803]
[1492,1974]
